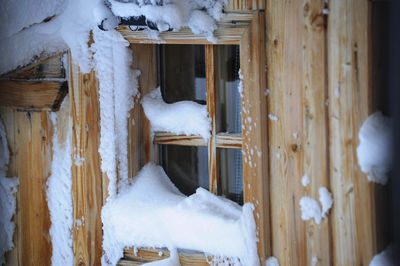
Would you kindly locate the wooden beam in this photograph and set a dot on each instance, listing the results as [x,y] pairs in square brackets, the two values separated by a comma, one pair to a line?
[255,145]
[230,30]
[240,5]
[86,173]
[187,258]
[52,67]
[350,102]
[33,95]
[222,140]
[211,74]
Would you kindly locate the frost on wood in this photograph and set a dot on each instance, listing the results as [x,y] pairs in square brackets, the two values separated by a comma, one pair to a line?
[310,208]
[272,261]
[185,117]
[199,15]
[375,150]
[385,258]
[8,189]
[59,189]
[305,180]
[118,85]
[153,213]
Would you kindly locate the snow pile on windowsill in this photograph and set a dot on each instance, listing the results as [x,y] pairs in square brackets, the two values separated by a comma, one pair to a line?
[153,213]
[8,188]
[183,117]
[375,150]
[310,208]
[199,15]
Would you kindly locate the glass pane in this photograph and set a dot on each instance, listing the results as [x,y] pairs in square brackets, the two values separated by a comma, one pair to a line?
[186,166]
[228,116]
[182,72]
[231,173]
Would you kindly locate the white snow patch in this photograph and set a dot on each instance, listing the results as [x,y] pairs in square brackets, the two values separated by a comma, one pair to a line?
[240,86]
[375,150]
[326,200]
[267,92]
[385,258]
[310,208]
[272,261]
[184,117]
[8,189]
[59,193]
[153,213]
[305,180]
[273,117]
[314,261]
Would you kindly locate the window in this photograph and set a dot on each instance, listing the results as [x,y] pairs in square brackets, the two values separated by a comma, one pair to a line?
[236,153]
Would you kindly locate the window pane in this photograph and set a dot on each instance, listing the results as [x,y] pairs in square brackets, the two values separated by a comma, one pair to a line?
[231,173]
[228,117]
[182,72]
[186,166]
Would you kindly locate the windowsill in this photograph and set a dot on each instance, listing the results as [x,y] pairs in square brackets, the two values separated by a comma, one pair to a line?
[186,257]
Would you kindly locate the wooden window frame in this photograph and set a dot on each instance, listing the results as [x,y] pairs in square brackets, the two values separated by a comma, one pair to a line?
[247,31]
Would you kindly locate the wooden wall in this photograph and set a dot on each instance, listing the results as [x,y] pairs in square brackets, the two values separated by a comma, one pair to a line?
[319,65]
[319,73]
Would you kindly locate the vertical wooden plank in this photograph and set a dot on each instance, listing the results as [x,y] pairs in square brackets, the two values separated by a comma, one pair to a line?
[211,68]
[86,173]
[244,5]
[313,140]
[349,69]
[33,136]
[254,130]
[284,29]
[7,117]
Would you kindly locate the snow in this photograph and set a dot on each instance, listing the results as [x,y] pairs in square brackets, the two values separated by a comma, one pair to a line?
[273,117]
[8,189]
[314,261]
[59,190]
[375,150]
[153,213]
[184,117]
[272,261]
[199,15]
[385,258]
[305,180]
[326,200]
[310,208]
[118,86]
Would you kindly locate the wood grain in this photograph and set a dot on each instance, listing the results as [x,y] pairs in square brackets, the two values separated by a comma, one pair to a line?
[255,144]
[349,87]
[187,258]
[240,5]
[86,181]
[211,69]
[33,95]
[34,153]
[230,30]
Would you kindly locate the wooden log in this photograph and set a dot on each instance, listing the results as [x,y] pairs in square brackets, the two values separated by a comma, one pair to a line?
[33,95]
[33,134]
[86,182]
[350,102]
[43,68]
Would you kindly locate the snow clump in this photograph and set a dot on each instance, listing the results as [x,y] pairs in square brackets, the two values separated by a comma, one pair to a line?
[184,117]
[310,208]
[375,150]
